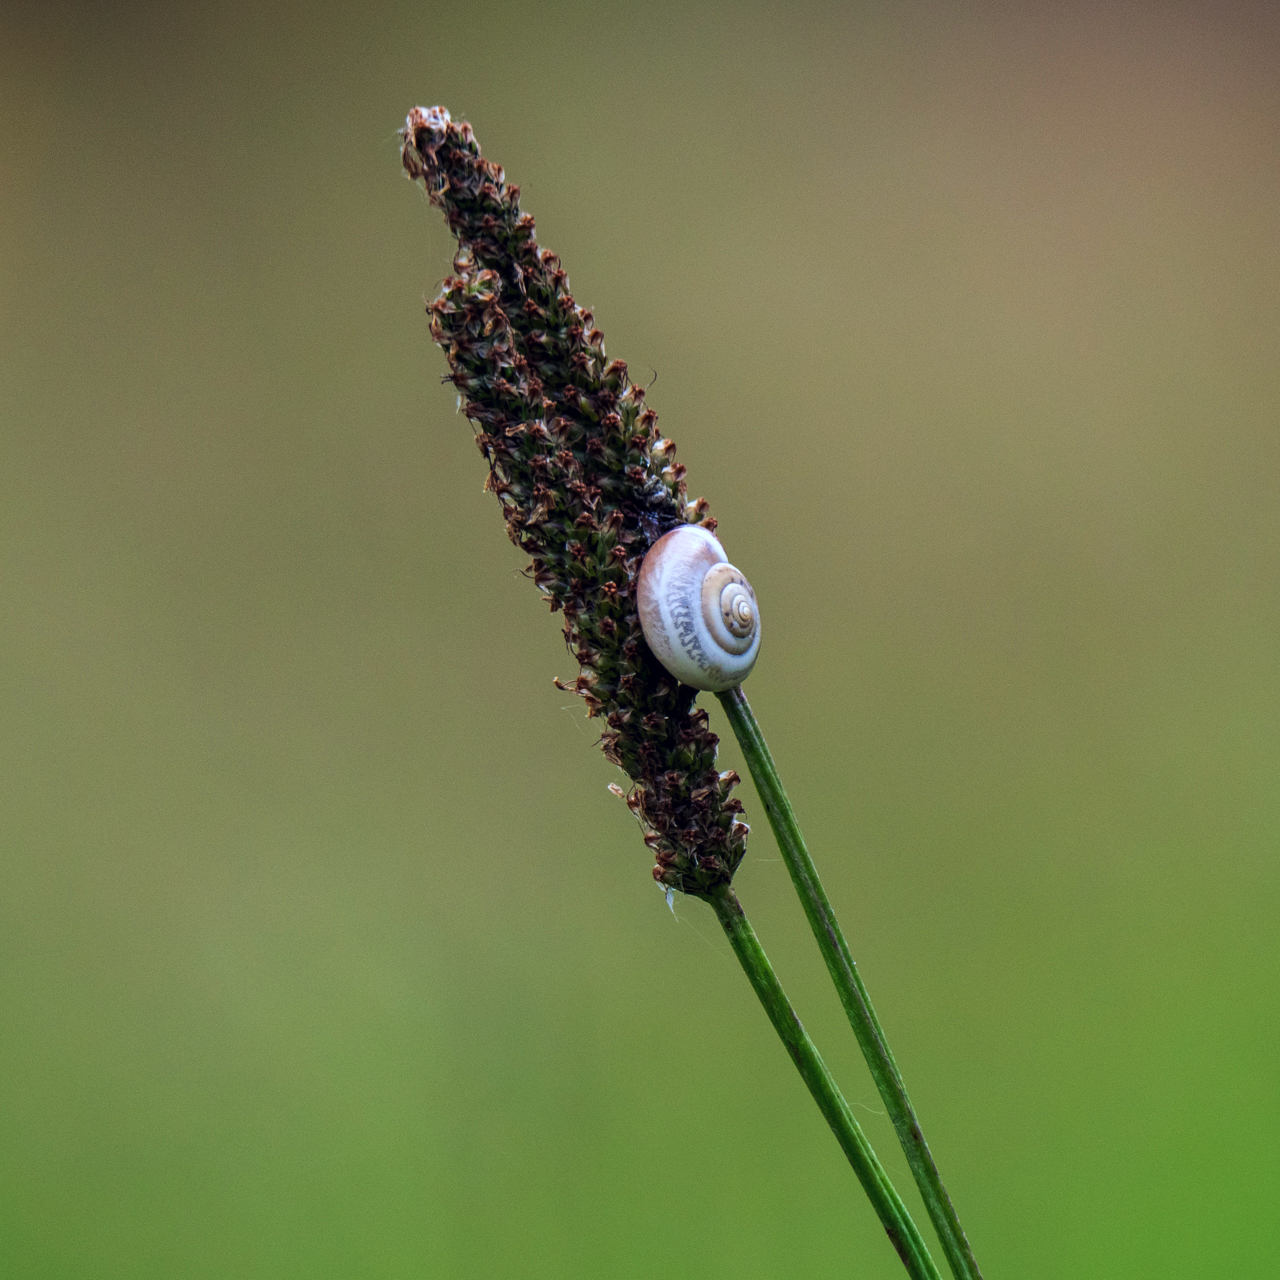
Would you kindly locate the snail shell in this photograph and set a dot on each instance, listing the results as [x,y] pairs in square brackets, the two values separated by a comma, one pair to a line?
[697,611]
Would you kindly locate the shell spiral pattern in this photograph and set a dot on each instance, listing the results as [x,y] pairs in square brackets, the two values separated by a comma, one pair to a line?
[699,614]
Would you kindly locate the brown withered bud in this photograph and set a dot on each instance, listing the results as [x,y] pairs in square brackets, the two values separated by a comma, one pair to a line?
[587,485]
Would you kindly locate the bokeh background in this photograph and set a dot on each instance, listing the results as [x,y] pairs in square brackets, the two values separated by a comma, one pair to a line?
[324,950]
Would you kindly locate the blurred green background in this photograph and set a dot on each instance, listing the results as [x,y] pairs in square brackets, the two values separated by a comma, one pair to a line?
[324,950]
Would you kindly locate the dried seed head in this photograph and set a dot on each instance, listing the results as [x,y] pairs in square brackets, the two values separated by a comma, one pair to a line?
[587,485]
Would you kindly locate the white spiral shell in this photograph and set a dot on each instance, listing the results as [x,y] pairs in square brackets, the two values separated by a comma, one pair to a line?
[697,611]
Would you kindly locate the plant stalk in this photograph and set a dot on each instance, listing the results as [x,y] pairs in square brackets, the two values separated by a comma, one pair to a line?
[902,1231]
[848,982]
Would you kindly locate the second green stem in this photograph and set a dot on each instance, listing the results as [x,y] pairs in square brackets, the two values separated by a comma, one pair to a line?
[848,982]
[885,1200]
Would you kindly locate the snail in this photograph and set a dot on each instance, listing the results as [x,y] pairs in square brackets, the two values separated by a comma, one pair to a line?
[697,611]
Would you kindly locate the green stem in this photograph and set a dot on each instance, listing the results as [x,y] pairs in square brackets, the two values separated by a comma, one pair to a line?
[888,1204]
[853,995]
